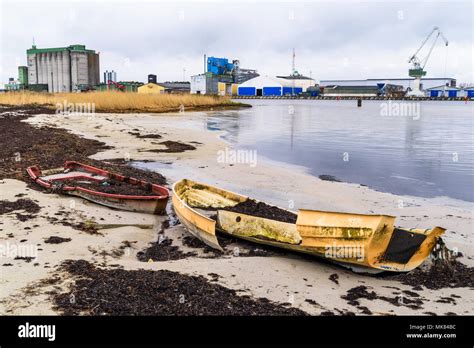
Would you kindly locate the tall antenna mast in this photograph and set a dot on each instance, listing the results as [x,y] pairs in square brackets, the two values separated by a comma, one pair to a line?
[293,70]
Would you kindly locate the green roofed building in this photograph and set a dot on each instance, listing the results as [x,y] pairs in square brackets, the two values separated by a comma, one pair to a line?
[63,69]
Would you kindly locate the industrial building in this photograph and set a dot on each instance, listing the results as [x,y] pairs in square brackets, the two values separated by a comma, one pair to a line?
[208,83]
[298,81]
[12,85]
[350,91]
[110,76]
[120,86]
[23,76]
[264,86]
[220,77]
[204,84]
[398,87]
[444,91]
[151,88]
[63,69]
[241,75]
[165,87]
[469,92]
[17,85]
[381,89]
[416,85]
[406,83]
[277,86]
[174,87]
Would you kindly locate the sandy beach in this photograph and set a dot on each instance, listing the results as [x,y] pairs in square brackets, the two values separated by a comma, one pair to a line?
[305,283]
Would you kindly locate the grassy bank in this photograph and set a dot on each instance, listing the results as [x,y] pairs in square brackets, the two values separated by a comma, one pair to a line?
[121,102]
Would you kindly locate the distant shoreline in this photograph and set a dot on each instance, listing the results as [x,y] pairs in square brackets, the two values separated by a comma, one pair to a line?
[352,98]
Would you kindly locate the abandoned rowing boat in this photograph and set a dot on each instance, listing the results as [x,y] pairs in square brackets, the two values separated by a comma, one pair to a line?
[103,187]
[355,240]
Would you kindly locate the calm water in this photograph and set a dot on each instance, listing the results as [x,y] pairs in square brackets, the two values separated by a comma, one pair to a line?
[430,155]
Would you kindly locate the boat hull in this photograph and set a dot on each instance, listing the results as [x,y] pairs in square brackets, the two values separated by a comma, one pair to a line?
[355,240]
[148,206]
[51,179]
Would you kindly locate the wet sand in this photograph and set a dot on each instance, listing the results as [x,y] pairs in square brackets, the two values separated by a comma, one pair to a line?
[306,283]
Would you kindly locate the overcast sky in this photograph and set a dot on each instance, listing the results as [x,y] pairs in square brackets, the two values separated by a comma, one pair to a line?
[332,39]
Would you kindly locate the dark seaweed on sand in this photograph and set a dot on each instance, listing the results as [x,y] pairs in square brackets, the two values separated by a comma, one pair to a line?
[99,291]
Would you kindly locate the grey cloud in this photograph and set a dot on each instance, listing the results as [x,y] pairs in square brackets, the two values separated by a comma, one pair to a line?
[155,37]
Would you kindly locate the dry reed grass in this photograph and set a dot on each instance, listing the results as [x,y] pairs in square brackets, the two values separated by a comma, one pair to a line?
[120,101]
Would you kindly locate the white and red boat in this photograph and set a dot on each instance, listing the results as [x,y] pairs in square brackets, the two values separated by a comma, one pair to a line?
[103,187]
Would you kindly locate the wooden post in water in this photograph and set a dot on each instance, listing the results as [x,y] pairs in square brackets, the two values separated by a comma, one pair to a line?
[359,102]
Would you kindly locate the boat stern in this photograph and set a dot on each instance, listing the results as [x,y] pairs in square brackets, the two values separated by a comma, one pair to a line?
[404,249]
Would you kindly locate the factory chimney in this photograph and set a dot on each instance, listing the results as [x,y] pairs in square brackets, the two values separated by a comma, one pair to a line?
[205,63]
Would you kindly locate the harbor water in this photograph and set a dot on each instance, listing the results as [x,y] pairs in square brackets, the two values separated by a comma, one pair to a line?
[425,149]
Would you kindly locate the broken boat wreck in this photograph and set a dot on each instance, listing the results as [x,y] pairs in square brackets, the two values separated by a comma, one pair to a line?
[103,187]
[370,242]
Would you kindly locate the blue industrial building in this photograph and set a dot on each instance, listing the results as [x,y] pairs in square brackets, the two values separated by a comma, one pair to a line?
[260,86]
[220,77]
[219,66]
[469,92]
[443,91]
[266,87]
[292,90]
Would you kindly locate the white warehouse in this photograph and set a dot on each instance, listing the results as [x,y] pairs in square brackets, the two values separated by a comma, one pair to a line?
[405,82]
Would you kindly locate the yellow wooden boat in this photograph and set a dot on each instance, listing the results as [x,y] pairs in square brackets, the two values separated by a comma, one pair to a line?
[360,241]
